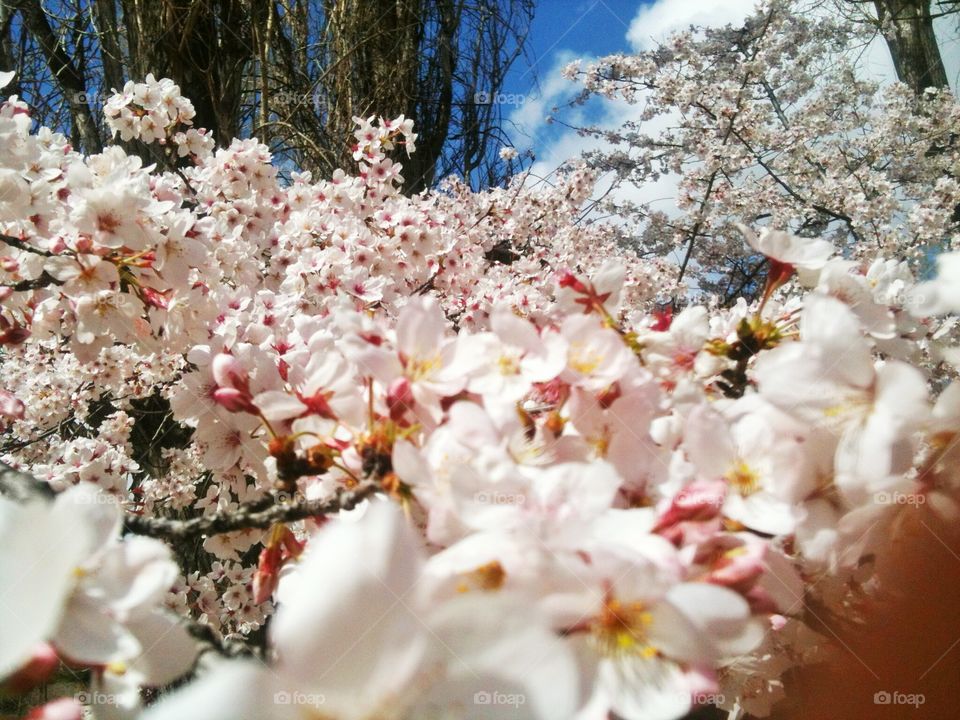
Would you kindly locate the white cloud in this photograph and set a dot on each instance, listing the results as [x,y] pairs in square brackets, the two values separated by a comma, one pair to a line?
[653,23]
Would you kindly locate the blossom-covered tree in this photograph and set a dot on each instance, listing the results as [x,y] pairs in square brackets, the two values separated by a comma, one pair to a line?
[772,123]
[318,449]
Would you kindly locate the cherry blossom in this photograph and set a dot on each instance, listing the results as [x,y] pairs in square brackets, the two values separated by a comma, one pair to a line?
[457,443]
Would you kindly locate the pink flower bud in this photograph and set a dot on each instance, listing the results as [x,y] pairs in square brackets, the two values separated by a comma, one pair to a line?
[235,400]
[156,298]
[567,279]
[12,333]
[697,502]
[739,567]
[267,576]
[11,406]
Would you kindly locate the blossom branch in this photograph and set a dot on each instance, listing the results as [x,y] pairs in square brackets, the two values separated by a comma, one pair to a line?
[247,518]
[21,245]
[45,280]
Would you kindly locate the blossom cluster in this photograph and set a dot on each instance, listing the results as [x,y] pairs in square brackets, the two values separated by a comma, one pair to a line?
[156,111]
[571,499]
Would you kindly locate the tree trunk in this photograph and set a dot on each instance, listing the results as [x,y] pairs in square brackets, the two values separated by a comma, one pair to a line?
[907,26]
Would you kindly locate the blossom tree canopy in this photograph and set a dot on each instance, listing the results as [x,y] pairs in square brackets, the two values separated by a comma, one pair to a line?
[320,449]
[773,123]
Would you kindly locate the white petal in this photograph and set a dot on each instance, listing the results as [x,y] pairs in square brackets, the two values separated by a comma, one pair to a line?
[237,690]
[498,645]
[278,406]
[88,635]
[721,616]
[135,574]
[645,688]
[168,650]
[348,625]
[40,552]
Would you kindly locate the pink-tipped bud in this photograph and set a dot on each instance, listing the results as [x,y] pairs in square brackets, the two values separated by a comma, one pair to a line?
[739,567]
[156,298]
[698,502]
[662,319]
[228,372]
[267,576]
[567,279]
[235,400]
[12,333]
[39,668]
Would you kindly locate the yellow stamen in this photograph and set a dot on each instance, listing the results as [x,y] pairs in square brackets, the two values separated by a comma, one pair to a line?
[508,365]
[490,576]
[622,628]
[422,368]
[743,478]
[583,359]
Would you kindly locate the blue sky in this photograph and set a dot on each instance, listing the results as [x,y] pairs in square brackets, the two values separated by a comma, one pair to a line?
[561,31]
[597,27]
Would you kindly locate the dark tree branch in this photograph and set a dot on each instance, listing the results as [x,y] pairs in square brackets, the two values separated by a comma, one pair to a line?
[22,245]
[45,280]
[245,518]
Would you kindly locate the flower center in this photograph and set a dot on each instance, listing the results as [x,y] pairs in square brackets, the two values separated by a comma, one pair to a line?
[508,365]
[423,368]
[744,480]
[621,628]
[583,359]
